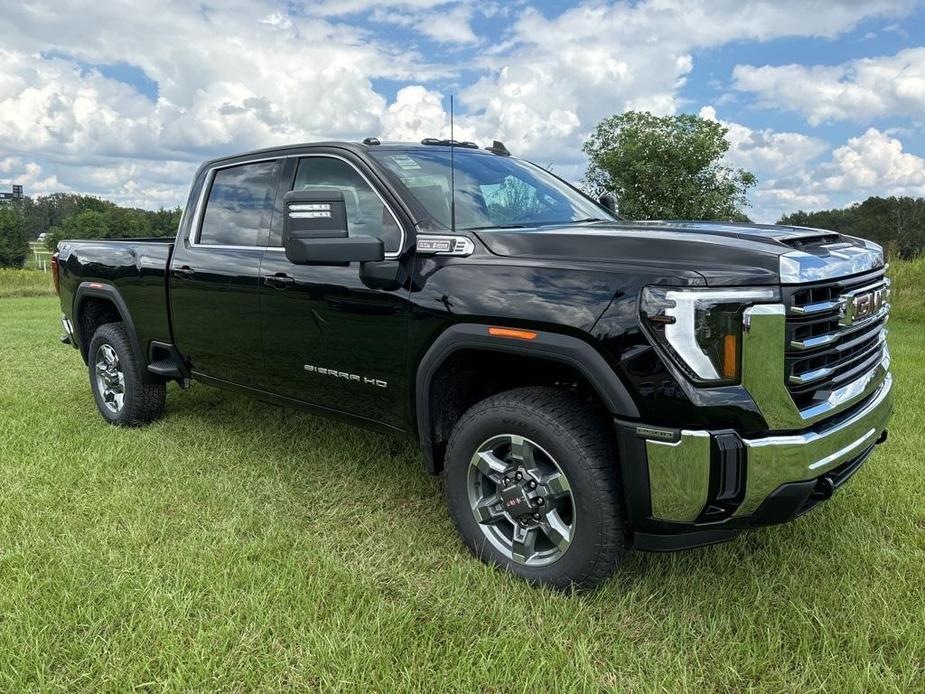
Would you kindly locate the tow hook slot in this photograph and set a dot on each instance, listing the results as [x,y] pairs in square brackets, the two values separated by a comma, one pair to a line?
[825,488]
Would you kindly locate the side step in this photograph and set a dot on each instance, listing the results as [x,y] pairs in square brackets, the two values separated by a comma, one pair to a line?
[165,368]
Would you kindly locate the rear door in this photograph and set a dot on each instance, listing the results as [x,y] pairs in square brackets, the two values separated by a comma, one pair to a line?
[214,273]
[329,339]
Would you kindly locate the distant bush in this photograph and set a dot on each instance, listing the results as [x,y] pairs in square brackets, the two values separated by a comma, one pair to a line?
[14,244]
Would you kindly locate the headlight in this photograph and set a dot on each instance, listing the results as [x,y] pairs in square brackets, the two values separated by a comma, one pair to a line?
[701,329]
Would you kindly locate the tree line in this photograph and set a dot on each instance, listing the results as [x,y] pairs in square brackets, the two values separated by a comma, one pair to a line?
[73,216]
[896,223]
[658,167]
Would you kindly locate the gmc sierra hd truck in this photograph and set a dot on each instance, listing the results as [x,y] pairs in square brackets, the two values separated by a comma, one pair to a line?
[584,384]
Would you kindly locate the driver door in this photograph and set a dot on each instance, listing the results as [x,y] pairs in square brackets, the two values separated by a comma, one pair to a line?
[329,340]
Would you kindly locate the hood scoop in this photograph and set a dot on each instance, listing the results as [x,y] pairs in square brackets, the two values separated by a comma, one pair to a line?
[812,242]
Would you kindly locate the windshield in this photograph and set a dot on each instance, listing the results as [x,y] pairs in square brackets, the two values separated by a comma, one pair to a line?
[490,190]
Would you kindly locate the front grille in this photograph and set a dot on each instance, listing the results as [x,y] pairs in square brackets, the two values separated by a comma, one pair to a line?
[822,353]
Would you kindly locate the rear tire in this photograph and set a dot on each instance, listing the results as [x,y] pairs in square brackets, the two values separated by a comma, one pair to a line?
[533,487]
[118,379]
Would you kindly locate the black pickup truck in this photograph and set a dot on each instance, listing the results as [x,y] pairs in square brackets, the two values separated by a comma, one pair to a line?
[585,385]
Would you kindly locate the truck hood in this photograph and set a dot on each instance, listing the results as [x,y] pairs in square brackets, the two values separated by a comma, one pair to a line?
[722,253]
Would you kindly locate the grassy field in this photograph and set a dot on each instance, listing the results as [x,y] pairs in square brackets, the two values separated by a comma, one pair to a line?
[23,283]
[39,255]
[235,546]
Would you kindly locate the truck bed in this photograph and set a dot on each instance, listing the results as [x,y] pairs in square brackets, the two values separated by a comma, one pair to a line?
[137,268]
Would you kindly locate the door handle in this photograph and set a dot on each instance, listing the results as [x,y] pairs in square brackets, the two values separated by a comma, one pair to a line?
[278,281]
[184,272]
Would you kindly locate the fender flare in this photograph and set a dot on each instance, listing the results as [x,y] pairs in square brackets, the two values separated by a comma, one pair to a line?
[99,290]
[557,347]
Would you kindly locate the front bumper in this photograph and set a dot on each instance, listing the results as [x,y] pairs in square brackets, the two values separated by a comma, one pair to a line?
[696,487]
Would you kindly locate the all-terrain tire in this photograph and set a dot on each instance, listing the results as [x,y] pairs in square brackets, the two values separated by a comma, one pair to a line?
[142,400]
[567,430]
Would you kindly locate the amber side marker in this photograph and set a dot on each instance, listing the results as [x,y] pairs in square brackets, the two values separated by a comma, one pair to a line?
[510,332]
[730,356]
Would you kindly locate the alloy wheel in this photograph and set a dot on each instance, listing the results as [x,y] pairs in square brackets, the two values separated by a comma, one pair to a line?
[110,379]
[521,500]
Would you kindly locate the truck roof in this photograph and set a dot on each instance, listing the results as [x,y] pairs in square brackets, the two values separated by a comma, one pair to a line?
[359,147]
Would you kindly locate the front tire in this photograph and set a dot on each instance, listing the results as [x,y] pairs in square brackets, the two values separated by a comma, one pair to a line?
[532,485]
[123,395]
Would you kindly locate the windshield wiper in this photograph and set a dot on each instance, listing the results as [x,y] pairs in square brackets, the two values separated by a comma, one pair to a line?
[537,224]
[494,226]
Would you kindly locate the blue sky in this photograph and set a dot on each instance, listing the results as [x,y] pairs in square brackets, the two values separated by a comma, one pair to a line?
[823,99]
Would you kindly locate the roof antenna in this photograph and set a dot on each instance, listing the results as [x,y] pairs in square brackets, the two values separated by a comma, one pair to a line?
[452,171]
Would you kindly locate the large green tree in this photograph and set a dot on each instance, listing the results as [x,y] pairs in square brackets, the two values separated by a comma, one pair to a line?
[666,167]
[14,244]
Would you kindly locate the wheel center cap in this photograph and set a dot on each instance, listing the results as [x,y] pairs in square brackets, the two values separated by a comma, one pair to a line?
[515,500]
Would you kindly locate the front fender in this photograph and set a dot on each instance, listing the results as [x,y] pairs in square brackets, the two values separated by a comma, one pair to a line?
[556,347]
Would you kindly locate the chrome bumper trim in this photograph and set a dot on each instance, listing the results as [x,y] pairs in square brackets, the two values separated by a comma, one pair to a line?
[679,476]
[679,472]
[774,460]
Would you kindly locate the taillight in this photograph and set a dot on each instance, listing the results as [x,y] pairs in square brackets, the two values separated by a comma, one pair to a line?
[55,278]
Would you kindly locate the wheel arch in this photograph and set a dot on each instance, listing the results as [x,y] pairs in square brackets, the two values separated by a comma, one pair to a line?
[95,304]
[570,355]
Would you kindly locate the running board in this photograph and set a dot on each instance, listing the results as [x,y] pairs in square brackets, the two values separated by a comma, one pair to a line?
[165,369]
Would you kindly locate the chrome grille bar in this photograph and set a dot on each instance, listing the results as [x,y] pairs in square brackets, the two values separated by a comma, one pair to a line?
[823,353]
[820,307]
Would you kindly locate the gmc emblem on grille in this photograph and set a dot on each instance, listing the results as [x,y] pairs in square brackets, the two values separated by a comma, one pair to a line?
[863,304]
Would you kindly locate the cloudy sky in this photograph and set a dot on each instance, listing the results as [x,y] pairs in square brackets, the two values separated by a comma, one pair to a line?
[824,99]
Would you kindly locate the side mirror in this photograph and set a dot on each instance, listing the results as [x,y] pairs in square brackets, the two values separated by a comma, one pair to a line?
[608,201]
[315,231]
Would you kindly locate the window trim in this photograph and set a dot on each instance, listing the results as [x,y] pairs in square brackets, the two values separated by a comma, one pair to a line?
[388,255]
[196,226]
[192,238]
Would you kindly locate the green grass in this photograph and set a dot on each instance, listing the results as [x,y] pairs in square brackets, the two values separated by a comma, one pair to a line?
[235,546]
[23,283]
[908,295]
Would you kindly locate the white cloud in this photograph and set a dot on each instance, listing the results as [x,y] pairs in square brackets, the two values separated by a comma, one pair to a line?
[796,171]
[262,82]
[767,150]
[225,83]
[238,74]
[416,113]
[875,163]
[859,90]
[557,77]
[332,8]
[442,25]
[782,162]
[29,175]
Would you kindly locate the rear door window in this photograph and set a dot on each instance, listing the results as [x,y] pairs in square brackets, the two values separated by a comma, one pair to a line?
[240,205]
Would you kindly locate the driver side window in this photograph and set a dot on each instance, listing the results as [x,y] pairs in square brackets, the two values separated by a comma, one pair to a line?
[367,215]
